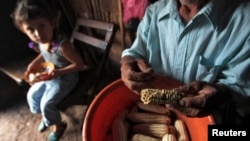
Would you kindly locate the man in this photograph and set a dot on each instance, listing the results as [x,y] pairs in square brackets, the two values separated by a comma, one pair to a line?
[203,43]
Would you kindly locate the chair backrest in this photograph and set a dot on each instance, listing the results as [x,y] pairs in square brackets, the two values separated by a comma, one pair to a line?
[97,37]
[85,30]
[90,39]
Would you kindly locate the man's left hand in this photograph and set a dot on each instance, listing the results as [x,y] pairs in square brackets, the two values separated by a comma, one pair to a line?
[201,98]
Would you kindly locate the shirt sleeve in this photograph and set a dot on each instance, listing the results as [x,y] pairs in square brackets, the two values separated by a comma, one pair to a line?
[237,71]
[138,48]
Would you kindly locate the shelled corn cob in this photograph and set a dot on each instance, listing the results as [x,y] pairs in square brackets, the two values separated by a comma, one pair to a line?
[148,122]
[142,117]
[119,130]
[169,137]
[154,129]
[120,127]
[141,137]
[153,108]
[182,134]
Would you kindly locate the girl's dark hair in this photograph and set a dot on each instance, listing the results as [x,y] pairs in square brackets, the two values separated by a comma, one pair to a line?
[31,9]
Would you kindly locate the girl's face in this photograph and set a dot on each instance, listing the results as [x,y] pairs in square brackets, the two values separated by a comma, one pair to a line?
[39,30]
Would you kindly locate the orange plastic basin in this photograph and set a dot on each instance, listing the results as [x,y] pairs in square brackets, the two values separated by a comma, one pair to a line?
[43,69]
[115,97]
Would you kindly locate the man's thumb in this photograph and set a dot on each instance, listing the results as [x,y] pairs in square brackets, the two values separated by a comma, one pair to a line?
[143,66]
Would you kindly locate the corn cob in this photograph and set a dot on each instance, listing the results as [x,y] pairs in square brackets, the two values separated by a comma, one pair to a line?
[169,137]
[160,96]
[133,109]
[119,131]
[181,130]
[155,108]
[153,129]
[141,137]
[122,115]
[149,118]
[126,125]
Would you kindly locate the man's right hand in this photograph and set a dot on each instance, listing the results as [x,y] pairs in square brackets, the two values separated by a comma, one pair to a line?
[136,74]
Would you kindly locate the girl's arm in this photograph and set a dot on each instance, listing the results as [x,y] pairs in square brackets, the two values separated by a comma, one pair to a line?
[72,56]
[39,59]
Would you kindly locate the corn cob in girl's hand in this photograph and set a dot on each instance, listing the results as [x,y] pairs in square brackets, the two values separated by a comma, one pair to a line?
[160,96]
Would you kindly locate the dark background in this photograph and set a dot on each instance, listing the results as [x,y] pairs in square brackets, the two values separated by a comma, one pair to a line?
[13,42]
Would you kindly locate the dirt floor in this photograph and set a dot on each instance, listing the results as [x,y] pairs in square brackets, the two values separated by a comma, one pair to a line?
[19,124]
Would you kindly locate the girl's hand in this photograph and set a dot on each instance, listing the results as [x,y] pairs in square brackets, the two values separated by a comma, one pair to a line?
[26,76]
[54,73]
[28,71]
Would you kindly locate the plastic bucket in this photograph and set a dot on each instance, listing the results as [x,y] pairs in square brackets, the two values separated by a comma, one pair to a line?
[115,97]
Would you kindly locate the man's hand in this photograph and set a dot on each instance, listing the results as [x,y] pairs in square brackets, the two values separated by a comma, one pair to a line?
[136,74]
[202,98]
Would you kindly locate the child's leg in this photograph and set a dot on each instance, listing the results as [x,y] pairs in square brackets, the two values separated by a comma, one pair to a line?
[34,97]
[55,92]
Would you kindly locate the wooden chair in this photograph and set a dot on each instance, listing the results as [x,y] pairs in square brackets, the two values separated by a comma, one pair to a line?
[96,36]
[15,68]
[82,32]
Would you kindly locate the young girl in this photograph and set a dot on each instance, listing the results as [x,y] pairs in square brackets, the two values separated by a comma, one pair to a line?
[40,23]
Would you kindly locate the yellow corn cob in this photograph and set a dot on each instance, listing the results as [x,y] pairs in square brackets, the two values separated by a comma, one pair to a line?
[155,108]
[149,118]
[141,137]
[181,130]
[169,137]
[160,96]
[119,131]
[153,129]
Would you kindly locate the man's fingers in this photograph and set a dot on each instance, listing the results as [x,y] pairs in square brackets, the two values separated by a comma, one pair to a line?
[188,111]
[191,88]
[139,76]
[138,86]
[144,67]
[198,101]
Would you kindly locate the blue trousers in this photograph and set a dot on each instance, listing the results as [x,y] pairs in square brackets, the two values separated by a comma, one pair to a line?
[44,97]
